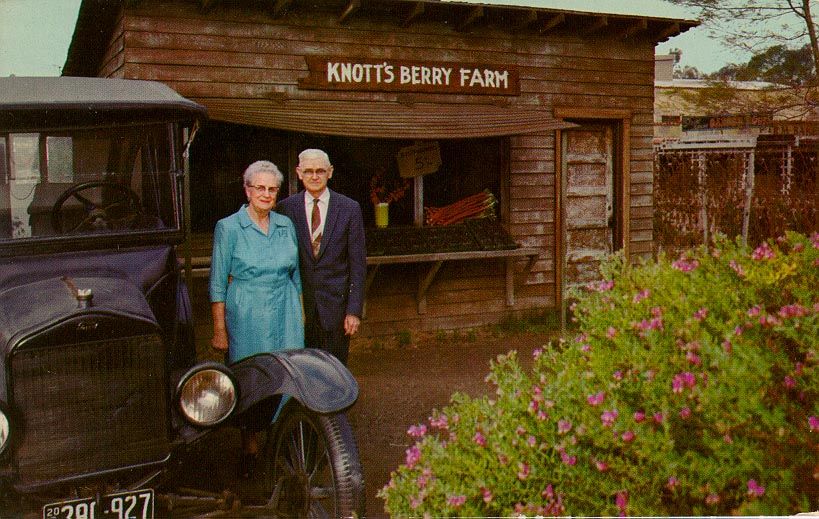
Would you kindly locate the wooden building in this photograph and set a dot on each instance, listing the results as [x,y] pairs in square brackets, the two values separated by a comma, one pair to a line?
[549,110]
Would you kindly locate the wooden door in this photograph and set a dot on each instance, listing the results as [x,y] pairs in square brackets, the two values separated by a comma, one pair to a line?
[588,189]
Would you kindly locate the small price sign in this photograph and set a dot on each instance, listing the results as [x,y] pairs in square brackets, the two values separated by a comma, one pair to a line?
[419,159]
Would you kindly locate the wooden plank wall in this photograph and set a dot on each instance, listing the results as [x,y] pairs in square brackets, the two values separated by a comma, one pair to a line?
[244,53]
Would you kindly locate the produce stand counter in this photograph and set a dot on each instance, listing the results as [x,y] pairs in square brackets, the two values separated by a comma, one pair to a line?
[478,239]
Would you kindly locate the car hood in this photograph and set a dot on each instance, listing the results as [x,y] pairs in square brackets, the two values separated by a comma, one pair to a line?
[46,306]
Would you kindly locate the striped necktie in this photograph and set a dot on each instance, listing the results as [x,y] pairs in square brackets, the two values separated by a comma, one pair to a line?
[315,222]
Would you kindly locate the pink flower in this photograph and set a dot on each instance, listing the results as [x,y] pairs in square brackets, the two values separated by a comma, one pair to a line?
[617,375]
[683,380]
[487,495]
[639,416]
[537,353]
[413,456]
[627,436]
[672,483]
[659,418]
[568,460]
[456,501]
[701,314]
[601,466]
[727,438]
[763,252]
[479,438]
[639,296]
[693,358]
[439,422]
[712,499]
[813,423]
[585,348]
[685,265]
[685,413]
[814,239]
[417,431]
[789,382]
[727,346]
[596,399]
[621,500]
[548,492]
[523,471]
[738,330]
[611,332]
[531,440]
[755,489]
[424,478]
[608,417]
[563,426]
[737,268]
[754,311]
[794,310]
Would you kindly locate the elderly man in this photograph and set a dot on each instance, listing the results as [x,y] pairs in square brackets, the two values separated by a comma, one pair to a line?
[332,256]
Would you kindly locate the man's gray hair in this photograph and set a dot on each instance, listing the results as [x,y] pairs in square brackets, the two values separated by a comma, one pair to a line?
[314,153]
[262,166]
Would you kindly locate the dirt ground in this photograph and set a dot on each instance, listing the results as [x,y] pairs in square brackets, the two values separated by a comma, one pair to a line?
[401,384]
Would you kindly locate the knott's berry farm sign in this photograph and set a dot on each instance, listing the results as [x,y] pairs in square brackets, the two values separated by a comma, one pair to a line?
[333,73]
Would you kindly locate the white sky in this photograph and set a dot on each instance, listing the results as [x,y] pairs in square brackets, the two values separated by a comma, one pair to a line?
[35,34]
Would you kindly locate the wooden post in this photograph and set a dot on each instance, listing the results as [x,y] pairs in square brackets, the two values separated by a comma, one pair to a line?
[703,195]
[749,195]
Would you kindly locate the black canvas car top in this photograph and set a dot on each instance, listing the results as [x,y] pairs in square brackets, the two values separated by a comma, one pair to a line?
[55,101]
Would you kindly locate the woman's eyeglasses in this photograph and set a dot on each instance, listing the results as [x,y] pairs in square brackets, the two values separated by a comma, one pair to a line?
[261,190]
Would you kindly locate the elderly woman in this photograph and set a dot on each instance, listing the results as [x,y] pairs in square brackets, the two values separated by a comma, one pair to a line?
[255,287]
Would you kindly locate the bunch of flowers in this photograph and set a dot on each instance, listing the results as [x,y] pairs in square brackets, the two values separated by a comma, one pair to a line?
[690,389]
[384,190]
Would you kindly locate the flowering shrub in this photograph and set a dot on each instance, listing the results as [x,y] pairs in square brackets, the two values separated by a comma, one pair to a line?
[691,389]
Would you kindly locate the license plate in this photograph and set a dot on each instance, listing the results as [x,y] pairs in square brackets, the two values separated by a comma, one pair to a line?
[138,504]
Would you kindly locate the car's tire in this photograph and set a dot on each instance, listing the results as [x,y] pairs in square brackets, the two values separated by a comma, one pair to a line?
[312,466]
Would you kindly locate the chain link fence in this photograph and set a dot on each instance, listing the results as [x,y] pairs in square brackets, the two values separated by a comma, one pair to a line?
[756,193]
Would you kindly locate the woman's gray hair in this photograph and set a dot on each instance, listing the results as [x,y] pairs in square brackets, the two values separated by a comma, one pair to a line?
[262,166]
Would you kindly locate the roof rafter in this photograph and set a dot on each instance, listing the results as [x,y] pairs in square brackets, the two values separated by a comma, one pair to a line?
[552,22]
[350,10]
[416,11]
[279,7]
[475,14]
[598,23]
[636,27]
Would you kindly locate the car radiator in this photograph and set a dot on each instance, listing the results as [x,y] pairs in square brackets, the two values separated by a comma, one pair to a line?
[90,407]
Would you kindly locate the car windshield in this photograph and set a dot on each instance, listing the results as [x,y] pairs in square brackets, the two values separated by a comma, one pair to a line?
[87,182]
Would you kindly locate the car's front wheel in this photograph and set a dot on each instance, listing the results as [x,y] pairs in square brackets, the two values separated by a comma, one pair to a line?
[313,468]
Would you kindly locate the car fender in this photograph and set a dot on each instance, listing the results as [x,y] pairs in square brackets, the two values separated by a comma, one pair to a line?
[315,378]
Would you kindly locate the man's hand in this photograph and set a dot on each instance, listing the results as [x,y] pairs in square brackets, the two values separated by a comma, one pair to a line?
[351,323]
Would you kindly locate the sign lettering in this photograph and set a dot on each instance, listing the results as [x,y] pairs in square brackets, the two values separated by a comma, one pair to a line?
[336,73]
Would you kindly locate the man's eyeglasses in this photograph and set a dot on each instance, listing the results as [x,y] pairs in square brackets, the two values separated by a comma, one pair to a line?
[261,190]
[311,172]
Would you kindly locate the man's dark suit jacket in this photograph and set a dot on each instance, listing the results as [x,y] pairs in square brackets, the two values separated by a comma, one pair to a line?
[333,283]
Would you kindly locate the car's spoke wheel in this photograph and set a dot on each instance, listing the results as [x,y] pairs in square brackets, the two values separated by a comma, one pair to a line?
[313,466]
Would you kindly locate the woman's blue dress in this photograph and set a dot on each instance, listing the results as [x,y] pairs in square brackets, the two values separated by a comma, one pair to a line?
[257,277]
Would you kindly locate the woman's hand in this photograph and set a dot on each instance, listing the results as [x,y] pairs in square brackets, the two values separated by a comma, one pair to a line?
[220,340]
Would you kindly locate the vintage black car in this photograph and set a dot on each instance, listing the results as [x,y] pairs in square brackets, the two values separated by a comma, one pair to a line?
[102,399]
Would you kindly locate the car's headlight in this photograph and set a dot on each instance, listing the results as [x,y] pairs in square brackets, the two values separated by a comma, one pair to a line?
[207,395]
[5,429]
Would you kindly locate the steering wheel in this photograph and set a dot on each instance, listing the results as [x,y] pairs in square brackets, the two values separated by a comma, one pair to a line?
[103,216]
